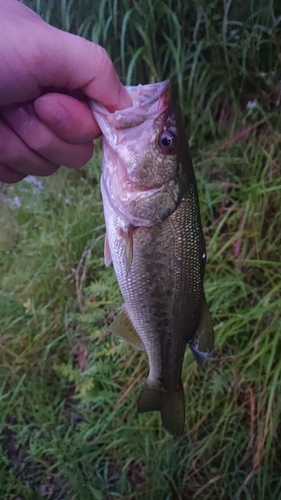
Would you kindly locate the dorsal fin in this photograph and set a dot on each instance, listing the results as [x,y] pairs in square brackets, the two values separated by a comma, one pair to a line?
[202,344]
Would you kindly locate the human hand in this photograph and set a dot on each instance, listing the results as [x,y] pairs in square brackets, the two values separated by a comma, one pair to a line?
[46,76]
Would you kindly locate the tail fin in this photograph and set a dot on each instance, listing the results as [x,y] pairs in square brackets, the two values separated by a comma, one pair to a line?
[169,403]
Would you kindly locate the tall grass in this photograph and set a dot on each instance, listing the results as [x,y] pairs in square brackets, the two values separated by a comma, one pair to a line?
[68,423]
[208,49]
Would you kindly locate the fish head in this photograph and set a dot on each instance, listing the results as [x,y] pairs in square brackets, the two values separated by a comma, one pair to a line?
[148,133]
[140,163]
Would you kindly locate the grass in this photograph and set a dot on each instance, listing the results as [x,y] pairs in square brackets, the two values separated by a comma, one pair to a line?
[68,424]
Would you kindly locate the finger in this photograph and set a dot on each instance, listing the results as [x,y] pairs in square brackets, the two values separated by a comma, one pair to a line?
[67,117]
[9,176]
[104,85]
[24,121]
[97,79]
[43,56]
[16,155]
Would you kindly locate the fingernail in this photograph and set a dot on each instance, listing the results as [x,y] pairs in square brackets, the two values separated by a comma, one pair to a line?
[125,100]
[18,117]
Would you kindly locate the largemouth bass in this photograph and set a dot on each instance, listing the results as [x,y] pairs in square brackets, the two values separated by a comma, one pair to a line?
[154,239]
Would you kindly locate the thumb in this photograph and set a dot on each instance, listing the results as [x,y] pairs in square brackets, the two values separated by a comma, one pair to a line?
[75,63]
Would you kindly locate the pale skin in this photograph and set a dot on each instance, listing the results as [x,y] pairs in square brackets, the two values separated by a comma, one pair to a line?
[45,79]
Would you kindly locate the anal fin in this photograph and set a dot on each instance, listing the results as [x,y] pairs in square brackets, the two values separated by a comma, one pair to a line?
[123,328]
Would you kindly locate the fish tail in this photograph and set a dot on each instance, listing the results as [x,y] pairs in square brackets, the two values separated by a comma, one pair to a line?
[170,403]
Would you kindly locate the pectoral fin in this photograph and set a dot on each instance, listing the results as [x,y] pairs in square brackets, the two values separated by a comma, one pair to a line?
[123,328]
[107,254]
[202,344]
[129,248]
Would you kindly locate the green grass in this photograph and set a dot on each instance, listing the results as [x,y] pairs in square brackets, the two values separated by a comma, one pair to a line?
[68,421]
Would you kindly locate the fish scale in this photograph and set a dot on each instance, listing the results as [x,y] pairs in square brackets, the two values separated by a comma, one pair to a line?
[155,240]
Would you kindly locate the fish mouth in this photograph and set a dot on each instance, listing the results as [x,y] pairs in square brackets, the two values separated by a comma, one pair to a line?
[148,100]
[145,95]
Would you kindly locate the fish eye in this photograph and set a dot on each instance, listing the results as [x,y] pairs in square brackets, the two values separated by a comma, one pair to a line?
[167,141]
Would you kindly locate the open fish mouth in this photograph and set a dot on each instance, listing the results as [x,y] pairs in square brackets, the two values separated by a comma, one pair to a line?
[147,100]
[145,95]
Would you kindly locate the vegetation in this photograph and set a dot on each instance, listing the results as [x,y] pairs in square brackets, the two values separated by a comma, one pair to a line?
[68,423]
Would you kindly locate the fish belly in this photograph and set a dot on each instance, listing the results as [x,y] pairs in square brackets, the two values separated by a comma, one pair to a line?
[162,289]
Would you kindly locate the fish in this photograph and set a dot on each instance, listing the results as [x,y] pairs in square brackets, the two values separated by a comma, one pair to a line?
[155,240]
